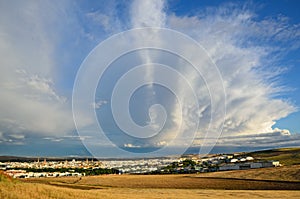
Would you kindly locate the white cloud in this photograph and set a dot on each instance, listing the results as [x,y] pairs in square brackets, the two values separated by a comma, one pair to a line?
[148,13]
[161,143]
[36,87]
[98,104]
[15,138]
[76,137]
[277,138]
[240,46]
[29,102]
[131,146]
[66,138]
[237,42]
[101,19]
[247,69]
[282,131]
[53,139]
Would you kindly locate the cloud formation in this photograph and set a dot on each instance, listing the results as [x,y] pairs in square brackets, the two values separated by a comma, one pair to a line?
[148,14]
[246,52]
[37,55]
[240,46]
[29,101]
[275,139]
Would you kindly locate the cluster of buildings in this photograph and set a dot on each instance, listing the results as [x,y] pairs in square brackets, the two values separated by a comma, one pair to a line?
[20,169]
[139,165]
[24,174]
[248,165]
[219,162]
[184,164]
[52,164]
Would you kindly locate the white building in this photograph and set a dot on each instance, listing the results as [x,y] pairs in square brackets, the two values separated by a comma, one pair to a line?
[276,163]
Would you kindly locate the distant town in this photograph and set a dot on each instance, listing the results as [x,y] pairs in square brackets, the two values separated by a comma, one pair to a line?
[164,165]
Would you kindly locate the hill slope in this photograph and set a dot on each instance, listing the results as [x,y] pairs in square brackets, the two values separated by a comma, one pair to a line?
[286,156]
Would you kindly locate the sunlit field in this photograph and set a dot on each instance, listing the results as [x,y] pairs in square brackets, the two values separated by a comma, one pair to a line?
[25,190]
[161,186]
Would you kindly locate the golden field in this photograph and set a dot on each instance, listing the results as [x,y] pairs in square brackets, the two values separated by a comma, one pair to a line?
[25,190]
[285,173]
[230,184]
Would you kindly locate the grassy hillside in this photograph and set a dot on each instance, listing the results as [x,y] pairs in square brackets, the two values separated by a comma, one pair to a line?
[141,186]
[286,156]
[137,186]
[190,181]
[32,191]
[285,173]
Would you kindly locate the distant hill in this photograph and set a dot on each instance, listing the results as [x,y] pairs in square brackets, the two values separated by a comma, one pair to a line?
[32,159]
[286,156]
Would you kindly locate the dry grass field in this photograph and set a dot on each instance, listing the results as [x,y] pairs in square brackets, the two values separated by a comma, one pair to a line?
[131,186]
[285,173]
[146,186]
[192,181]
[29,191]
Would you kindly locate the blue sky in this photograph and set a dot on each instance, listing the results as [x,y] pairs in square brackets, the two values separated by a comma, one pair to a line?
[254,44]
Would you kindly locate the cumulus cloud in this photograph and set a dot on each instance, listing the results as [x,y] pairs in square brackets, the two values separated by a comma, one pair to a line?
[239,45]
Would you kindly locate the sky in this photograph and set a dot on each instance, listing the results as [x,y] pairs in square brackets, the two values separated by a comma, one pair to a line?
[246,97]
